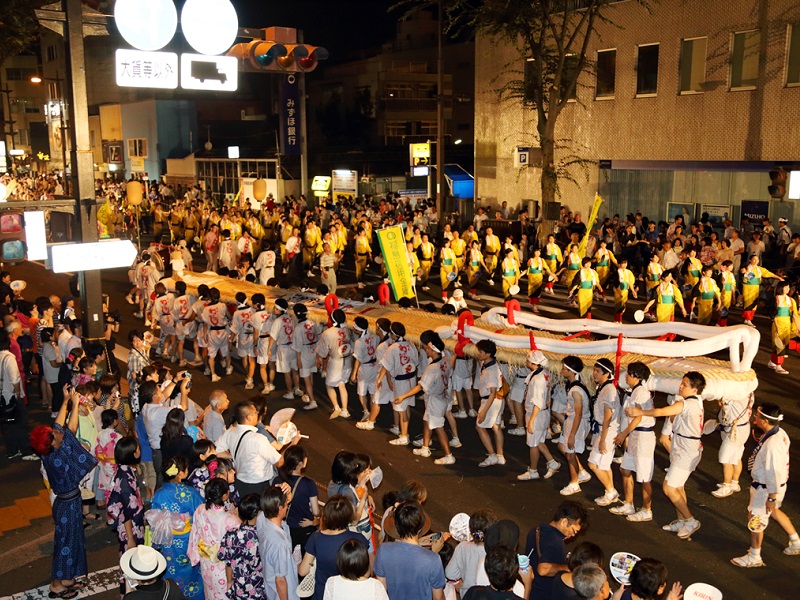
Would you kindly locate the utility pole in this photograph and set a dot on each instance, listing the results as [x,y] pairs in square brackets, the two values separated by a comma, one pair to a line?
[440,118]
[82,175]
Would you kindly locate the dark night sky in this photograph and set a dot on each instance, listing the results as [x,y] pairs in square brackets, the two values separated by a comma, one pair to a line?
[341,26]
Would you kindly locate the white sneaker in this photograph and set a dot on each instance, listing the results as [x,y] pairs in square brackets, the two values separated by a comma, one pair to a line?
[229,370]
[735,486]
[248,384]
[472,413]
[516,431]
[624,509]
[288,396]
[401,441]
[570,489]
[501,460]
[609,497]
[512,420]
[793,549]
[455,443]
[298,392]
[305,398]
[310,406]
[748,561]
[528,475]
[674,527]
[206,371]
[462,414]
[365,415]
[584,476]
[345,414]
[215,378]
[366,425]
[445,460]
[641,516]
[689,527]
[268,387]
[422,452]
[552,469]
[394,430]
[490,460]
[723,491]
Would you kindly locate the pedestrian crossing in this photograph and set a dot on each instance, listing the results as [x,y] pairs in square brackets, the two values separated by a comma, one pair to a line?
[98,582]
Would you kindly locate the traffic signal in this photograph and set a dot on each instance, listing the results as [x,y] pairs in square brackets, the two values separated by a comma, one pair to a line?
[778,187]
[279,51]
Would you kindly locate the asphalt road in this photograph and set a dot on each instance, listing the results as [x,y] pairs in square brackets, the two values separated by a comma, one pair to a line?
[464,487]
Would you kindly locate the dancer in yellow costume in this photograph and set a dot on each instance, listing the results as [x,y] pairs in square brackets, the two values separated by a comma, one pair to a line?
[727,292]
[707,290]
[447,268]
[694,269]
[668,294]
[286,233]
[752,275]
[654,273]
[459,247]
[572,264]
[363,256]
[553,257]
[626,283]
[784,326]
[425,251]
[413,261]
[510,271]
[469,236]
[312,242]
[537,267]
[491,246]
[474,265]
[604,259]
[585,284]
[416,238]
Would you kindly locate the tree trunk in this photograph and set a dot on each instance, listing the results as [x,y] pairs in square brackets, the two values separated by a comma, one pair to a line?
[548,179]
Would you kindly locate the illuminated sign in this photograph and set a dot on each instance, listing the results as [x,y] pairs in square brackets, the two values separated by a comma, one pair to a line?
[147,69]
[214,73]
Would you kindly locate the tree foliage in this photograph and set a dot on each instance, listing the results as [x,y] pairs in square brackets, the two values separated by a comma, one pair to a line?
[19,29]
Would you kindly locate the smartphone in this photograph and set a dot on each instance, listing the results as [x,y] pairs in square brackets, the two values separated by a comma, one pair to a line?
[435,536]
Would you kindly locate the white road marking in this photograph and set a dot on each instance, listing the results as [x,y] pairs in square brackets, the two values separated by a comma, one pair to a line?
[96,583]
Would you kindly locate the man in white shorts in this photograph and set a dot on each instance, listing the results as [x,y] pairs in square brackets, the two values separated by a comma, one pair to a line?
[604,424]
[185,323]
[516,398]
[365,367]
[399,370]
[641,436]
[262,322]
[490,413]
[280,344]
[436,384]
[198,307]
[384,395]
[336,344]
[572,442]
[304,342]
[769,468]
[162,314]
[734,423]
[462,385]
[265,264]
[242,336]
[537,416]
[215,316]
[686,447]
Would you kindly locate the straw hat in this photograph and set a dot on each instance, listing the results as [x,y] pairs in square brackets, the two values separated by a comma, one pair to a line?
[142,563]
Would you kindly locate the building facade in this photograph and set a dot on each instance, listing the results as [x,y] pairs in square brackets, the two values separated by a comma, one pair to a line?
[690,104]
[24,108]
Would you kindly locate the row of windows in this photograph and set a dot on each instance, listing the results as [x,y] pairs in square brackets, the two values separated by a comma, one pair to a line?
[19,73]
[744,60]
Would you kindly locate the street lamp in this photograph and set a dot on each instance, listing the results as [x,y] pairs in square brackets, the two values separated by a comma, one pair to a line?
[63,120]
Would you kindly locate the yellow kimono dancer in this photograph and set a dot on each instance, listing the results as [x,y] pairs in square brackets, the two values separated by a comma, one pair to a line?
[727,292]
[425,251]
[707,290]
[604,258]
[459,247]
[626,283]
[784,326]
[474,265]
[363,256]
[668,294]
[585,285]
[490,249]
[553,258]
[447,269]
[572,264]
[286,233]
[312,240]
[537,267]
[694,269]
[654,272]
[752,275]
[510,271]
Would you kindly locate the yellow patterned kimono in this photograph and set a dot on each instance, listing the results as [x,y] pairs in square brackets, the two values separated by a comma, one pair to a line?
[708,289]
[588,281]
[536,267]
[448,258]
[312,240]
[474,262]
[510,272]
[783,326]
[668,295]
[654,271]
[490,249]
[459,247]
[751,288]
[604,258]
[573,267]
[626,283]
[425,261]
[363,250]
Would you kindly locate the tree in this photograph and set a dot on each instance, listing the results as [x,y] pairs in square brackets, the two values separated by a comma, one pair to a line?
[554,35]
[19,29]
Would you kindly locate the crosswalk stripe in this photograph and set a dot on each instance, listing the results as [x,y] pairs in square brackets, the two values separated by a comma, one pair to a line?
[96,583]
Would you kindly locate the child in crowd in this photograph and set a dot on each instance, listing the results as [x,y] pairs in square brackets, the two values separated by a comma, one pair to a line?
[239,552]
[104,452]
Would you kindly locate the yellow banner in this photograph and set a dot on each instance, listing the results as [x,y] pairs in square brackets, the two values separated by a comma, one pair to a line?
[393,247]
[598,202]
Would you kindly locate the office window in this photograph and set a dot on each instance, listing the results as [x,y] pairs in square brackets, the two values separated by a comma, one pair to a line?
[52,53]
[793,56]
[744,60]
[606,73]
[137,148]
[693,65]
[19,74]
[570,72]
[647,70]
[527,80]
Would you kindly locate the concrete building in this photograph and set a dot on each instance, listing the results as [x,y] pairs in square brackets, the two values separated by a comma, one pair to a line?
[691,105]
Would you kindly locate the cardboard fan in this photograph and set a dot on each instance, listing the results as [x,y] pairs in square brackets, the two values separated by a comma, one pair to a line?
[621,565]
[513,290]
[459,527]
[638,316]
[702,591]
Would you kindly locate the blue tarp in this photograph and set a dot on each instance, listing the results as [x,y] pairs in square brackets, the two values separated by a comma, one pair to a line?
[462,184]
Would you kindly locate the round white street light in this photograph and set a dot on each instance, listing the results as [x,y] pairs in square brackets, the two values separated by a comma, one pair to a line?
[146,24]
[210,26]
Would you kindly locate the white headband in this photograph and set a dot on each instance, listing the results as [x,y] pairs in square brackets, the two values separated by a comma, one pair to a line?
[568,368]
[434,348]
[778,418]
